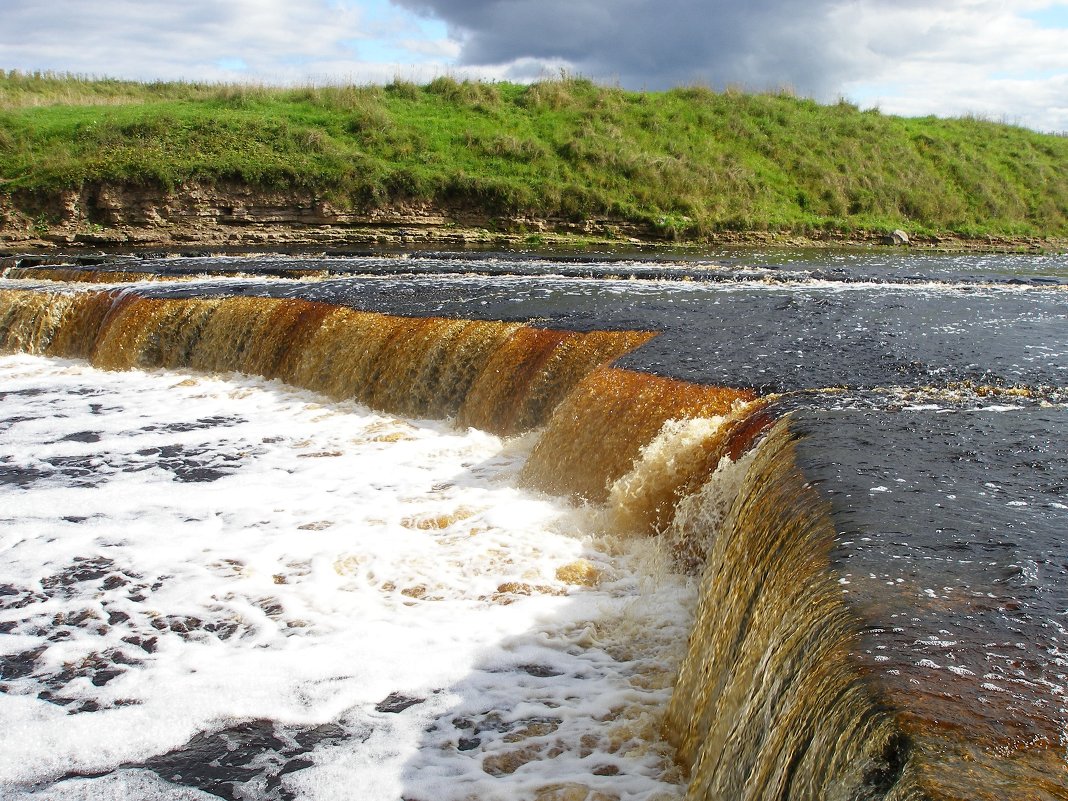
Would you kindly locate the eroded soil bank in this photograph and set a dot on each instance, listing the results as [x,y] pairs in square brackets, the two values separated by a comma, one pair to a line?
[236,217]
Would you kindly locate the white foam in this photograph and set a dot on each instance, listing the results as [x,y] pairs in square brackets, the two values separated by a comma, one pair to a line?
[123,785]
[337,557]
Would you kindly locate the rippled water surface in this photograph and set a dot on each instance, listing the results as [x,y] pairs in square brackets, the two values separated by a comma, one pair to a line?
[847,321]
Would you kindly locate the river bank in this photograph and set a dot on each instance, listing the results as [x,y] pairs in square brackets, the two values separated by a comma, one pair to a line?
[236,219]
[561,163]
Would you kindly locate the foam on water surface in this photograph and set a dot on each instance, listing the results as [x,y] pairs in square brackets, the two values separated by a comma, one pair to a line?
[225,585]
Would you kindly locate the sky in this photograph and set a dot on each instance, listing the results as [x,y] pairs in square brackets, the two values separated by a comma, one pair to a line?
[1005,60]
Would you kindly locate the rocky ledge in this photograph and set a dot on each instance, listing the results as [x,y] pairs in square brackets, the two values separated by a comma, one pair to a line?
[242,217]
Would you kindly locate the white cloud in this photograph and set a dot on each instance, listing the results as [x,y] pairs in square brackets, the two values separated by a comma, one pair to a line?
[275,40]
[963,57]
[436,48]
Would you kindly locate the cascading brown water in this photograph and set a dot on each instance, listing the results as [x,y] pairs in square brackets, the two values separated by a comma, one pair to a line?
[769,703]
[501,377]
[596,433]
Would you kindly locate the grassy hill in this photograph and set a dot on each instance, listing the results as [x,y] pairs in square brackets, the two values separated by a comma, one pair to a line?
[688,162]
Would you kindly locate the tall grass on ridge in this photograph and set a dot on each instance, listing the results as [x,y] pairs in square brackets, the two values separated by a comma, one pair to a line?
[689,161]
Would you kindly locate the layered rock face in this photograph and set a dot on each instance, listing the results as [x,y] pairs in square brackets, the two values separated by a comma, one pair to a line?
[239,215]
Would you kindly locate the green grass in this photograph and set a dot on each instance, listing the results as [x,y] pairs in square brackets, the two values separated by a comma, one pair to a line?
[688,161]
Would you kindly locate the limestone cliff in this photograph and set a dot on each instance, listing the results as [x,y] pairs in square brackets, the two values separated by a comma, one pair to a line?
[240,215]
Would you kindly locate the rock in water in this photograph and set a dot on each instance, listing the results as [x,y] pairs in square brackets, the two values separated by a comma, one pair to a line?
[396,702]
[897,237]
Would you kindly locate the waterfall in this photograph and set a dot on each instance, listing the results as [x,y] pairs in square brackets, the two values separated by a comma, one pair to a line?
[770,702]
[501,377]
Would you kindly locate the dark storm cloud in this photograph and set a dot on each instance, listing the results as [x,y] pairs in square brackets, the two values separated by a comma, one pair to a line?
[646,43]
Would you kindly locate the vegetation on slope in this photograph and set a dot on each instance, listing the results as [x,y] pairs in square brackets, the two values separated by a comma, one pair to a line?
[689,161]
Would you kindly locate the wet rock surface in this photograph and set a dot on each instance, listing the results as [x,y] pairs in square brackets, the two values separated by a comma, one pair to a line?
[246,760]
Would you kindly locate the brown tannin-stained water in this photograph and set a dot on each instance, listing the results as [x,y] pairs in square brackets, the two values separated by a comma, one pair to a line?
[851,462]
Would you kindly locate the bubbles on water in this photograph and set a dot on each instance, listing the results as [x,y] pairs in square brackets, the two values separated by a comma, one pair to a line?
[317,615]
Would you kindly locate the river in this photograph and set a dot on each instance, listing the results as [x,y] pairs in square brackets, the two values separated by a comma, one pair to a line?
[223,585]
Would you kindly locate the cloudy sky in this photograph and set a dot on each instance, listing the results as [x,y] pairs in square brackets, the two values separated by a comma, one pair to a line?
[1001,59]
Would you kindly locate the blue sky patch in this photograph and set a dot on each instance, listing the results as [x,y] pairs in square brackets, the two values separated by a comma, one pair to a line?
[387,28]
[234,64]
[1056,16]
